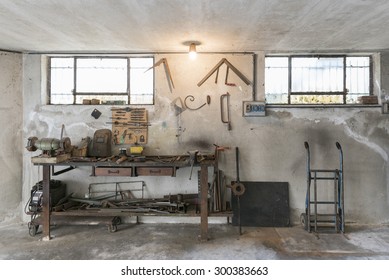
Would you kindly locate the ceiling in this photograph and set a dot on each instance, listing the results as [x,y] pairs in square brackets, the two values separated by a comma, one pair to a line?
[218,25]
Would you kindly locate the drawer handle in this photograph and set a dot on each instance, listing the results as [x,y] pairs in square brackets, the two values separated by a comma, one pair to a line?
[113,172]
[156,171]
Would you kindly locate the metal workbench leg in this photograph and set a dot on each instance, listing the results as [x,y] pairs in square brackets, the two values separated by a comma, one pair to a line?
[46,203]
[204,203]
[315,199]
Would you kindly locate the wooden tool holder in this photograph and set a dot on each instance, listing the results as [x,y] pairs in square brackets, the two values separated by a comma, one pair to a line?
[129,126]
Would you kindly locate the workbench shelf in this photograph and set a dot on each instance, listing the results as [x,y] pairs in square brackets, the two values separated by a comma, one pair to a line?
[148,166]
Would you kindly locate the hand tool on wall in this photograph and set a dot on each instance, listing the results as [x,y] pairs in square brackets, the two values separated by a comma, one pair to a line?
[191,98]
[96,113]
[225,109]
[229,66]
[167,70]
[178,108]
[226,79]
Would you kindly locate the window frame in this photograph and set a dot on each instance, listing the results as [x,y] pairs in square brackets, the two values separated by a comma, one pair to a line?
[345,90]
[75,93]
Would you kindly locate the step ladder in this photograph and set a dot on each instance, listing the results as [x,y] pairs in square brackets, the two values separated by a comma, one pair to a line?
[333,216]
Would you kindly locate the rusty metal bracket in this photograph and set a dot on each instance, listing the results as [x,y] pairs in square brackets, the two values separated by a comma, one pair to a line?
[229,66]
[55,173]
[167,70]
[191,98]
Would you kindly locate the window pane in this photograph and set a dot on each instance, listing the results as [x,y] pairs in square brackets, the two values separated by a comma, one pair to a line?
[357,77]
[101,75]
[276,80]
[310,74]
[61,80]
[141,81]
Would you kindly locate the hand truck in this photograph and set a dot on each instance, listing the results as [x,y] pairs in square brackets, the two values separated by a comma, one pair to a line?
[311,219]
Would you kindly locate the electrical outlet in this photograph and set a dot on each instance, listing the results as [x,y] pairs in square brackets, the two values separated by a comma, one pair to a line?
[254,109]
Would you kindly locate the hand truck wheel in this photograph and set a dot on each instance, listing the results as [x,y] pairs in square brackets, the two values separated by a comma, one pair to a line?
[32,229]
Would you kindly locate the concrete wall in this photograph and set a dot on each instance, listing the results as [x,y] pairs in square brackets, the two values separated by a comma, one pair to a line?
[271,147]
[11,111]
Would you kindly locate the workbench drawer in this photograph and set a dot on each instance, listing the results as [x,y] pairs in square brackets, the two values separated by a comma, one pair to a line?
[113,171]
[156,171]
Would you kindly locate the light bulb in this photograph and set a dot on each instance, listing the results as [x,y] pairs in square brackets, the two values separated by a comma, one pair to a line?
[192,51]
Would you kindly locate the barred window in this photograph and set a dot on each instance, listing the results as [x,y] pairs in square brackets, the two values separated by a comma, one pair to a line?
[106,80]
[317,80]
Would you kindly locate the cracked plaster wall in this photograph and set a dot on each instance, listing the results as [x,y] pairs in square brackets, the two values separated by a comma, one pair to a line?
[271,147]
[11,111]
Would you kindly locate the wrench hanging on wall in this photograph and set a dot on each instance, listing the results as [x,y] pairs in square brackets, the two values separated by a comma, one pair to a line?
[225,109]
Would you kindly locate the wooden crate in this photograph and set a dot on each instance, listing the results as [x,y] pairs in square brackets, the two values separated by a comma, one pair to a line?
[368,99]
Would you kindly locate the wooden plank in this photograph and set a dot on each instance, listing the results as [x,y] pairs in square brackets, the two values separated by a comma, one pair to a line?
[46,159]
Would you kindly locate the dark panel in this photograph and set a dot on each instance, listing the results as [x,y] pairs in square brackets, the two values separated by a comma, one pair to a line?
[264,204]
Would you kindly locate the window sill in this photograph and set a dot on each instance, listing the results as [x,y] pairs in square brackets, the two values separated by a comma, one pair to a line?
[323,106]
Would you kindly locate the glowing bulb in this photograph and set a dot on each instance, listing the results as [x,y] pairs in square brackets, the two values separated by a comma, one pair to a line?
[192,51]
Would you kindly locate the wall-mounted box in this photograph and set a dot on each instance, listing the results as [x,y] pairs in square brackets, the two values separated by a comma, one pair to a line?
[254,109]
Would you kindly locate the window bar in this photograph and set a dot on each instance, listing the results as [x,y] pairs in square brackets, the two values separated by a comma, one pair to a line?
[344,80]
[128,81]
[371,86]
[74,80]
[289,78]
[49,81]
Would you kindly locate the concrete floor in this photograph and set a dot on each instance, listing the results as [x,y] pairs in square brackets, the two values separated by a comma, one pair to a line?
[179,242]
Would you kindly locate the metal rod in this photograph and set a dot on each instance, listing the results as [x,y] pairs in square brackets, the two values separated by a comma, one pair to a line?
[46,203]
[315,199]
[237,164]
[308,195]
[61,171]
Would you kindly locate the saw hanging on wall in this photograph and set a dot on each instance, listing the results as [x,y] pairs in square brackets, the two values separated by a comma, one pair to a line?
[229,66]
[167,70]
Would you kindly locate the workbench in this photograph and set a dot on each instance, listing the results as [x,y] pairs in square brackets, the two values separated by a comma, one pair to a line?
[148,166]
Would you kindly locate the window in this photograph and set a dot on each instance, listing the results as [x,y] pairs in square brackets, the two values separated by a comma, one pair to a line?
[111,80]
[317,80]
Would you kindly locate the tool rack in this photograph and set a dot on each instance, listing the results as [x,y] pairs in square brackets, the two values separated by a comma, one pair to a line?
[311,219]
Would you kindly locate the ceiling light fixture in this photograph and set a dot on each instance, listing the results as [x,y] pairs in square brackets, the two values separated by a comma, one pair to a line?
[192,51]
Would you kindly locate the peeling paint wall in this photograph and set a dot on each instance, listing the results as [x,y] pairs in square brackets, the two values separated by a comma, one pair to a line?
[271,147]
[11,111]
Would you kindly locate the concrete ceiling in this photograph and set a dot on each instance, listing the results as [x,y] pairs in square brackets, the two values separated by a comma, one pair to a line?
[219,25]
